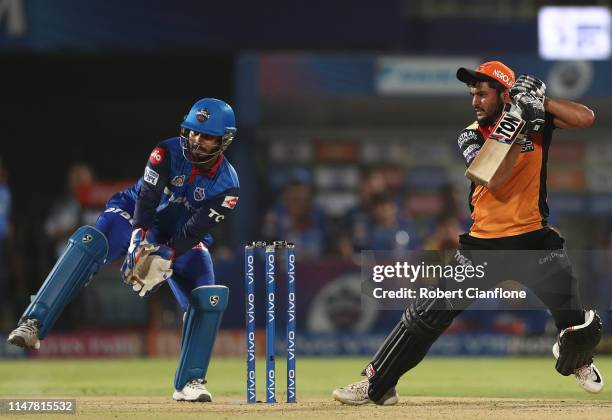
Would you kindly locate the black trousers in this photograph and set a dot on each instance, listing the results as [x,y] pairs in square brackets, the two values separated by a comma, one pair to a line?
[547,274]
[540,264]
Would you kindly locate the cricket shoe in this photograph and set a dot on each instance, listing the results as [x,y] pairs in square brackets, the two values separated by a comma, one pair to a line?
[26,335]
[193,391]
[357,394]
[588,376]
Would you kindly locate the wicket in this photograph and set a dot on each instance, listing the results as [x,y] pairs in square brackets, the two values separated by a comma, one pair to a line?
[270,279]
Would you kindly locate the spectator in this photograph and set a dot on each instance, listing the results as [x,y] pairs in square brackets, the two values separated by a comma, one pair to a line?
[372,183]
[446,234]
[67,214]
[297,219]
[387,231]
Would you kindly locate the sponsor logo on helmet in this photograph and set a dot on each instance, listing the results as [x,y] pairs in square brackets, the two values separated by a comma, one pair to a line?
[198,194]
[157,155]
[230,201]
[214,299]
[202,115]
[501,76]
[178,181]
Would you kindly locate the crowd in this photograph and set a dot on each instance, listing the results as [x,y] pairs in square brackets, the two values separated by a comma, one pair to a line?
[382,219]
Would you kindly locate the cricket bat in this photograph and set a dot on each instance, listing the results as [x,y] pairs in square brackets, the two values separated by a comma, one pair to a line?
[496,147]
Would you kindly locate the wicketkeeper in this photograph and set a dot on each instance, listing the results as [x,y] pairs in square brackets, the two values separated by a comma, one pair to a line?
[161,225]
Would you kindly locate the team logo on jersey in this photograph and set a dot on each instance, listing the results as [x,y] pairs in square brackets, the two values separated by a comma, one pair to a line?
[202,115]
[230,202]
[178,181]
[87,238]
[157,155]
[214,299]
[151,176]
[198,194]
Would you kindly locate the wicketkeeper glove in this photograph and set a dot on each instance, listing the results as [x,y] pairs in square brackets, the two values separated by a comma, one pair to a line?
[532,111]
[529,84]
[153,270]
[138,249]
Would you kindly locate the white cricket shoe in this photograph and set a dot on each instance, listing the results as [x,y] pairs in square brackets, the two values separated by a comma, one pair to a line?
[588,376]
[193,391]
[26,335]
[357,394]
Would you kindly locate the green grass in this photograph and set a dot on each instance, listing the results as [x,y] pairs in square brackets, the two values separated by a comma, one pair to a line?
[316,378]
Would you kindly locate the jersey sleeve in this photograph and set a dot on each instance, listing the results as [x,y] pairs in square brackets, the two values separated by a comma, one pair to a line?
[211,212]
[154,181]
[470,141]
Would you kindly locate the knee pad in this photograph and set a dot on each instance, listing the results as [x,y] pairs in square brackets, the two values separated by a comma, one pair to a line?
[200,327]
[428,317]
[84,255]
[576,344]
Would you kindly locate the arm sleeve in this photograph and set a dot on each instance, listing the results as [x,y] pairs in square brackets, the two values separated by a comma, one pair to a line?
[154,181]
[213,211]
[469,142]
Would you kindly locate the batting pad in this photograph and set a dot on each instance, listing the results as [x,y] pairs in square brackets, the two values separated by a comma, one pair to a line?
[82,258]
[576,344]
[204,313]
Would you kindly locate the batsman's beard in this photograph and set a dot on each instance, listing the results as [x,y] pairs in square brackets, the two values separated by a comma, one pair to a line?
[491,119]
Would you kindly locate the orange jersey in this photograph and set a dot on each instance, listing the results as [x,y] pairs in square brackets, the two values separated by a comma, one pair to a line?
[519,206]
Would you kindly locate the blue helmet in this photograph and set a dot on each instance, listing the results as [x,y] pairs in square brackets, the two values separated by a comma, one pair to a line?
[213,117]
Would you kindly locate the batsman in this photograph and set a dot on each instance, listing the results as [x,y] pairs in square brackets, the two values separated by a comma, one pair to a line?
[509,212]
[160,226]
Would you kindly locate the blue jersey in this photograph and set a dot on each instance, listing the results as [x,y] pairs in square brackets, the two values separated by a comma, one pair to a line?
[177,202]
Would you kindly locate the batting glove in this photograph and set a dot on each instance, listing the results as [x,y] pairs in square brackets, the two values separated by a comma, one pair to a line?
[529,84]
[532,111]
